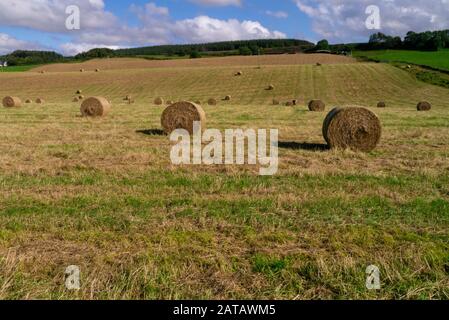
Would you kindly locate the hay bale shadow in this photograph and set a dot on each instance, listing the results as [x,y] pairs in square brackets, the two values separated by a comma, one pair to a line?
[152,132]
[317,147]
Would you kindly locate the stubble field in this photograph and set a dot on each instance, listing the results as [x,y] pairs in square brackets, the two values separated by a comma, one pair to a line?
[103,195]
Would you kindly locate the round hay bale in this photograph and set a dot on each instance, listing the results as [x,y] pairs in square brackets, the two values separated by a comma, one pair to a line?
[381,104]
[42,72]
[75,99]
[28,101]
[158,101]
[357,129]
[128,97]
[318,64]
[81,70]
[95,107]
[276,102]
[97,70]
[227,98]
[182,115]
[317,105]
[289,103]
[40,101]
[12,102]
[212,102]
[424,106]
[270,87]
[81,97]
[239,73]
[295,102]
[79,91]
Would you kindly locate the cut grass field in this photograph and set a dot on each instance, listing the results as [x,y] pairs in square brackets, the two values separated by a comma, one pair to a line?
[103,195]
[18,68]
[434,59]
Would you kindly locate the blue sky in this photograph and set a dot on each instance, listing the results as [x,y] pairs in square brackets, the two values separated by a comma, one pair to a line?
[40,24]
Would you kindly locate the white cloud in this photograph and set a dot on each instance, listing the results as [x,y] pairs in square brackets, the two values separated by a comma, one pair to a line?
[102,28]
[220,3]
[50,16]
[206,29]
[344,20]
[277,14]
[9,44]
[72,49]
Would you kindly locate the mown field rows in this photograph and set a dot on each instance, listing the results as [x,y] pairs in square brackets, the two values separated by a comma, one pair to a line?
[102,194]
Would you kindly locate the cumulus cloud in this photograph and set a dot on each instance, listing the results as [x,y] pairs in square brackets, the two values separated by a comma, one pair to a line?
[8,44]
[102,28]
[220,3]
[344,20]
[277,14]
[50,15]
[205,29]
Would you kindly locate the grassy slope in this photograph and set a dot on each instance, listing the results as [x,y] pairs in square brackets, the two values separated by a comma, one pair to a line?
[438,60]
[98,194]
[19,68]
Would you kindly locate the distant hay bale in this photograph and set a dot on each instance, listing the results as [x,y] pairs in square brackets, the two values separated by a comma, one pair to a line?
[79,91]
[295,102]
[81,70]
[95,107]
[276,102]
[355,128]
[97,70]
[182,115]
[28,101]
[42,72]
[424,106]
[318,64]
[128,97]
[317,105]
[227,98]
[212,102]
[12,102]
[289,103]
[40,101]
[238,73]
[381,104]
[81,97]
[270,87]
[75,99]
[158,101]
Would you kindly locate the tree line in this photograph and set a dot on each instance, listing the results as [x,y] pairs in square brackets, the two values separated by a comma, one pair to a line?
[24,57]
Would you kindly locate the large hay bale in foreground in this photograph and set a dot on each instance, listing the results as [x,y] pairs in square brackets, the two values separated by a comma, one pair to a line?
[40,101]
[212,102]
[424,106]
[182,115]
[158,101]
[352,128]
[317,105]
[381,104]
[95,107]
[12,102]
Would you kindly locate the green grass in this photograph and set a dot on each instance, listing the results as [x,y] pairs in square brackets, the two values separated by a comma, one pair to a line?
[100,194]
[438,60]
[19,68]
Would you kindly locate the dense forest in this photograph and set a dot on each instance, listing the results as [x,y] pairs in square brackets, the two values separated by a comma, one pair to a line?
[22,57]
[424,41]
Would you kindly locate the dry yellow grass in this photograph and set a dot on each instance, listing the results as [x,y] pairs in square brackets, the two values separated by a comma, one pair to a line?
[103,194]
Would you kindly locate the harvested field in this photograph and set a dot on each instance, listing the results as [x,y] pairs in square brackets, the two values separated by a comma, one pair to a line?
[103,194]
[132,63]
